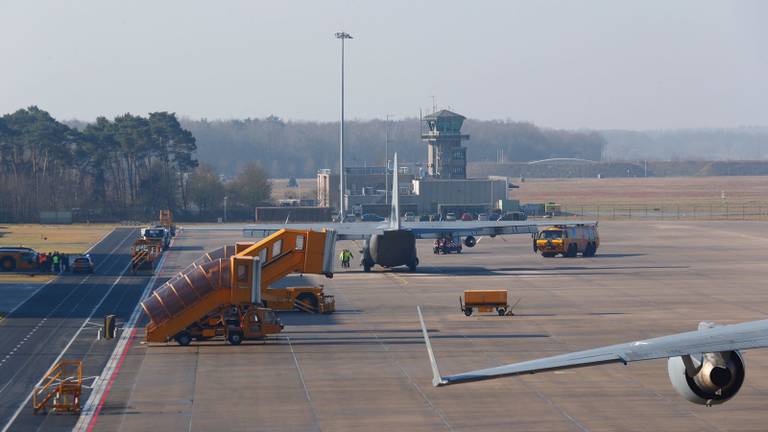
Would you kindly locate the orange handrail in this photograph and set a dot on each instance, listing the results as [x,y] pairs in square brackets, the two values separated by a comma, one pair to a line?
[62,384]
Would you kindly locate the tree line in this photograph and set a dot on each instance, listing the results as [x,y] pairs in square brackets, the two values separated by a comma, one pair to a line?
[300,148]
[125,168]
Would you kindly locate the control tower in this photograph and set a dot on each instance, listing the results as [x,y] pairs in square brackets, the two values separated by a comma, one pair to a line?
[447,157]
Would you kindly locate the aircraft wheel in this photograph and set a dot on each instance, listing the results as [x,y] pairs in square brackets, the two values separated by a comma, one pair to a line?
[366,266]
[502,311]
[413,264]
[467,311]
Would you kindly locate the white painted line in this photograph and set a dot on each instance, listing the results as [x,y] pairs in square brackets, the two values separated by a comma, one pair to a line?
[45,284]
[61,354]
[101,383]
[71,341]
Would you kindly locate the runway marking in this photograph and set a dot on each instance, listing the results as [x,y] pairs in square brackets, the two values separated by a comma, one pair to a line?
[103,384]
[112,252]
[72,340]
[8,315]
[540,395]
[392,358]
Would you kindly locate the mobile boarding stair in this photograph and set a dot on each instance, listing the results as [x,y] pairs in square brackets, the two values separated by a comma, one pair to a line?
[235,275]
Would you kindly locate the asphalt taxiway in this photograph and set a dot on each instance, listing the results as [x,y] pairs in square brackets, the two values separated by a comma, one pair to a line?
[60,321]
[365,367]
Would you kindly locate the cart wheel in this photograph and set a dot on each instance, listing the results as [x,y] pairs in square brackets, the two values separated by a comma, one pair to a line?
[235,338]
[468,311]
[501,311]
[183,338]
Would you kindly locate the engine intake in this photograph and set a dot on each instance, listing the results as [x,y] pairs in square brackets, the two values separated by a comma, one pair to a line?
[707,379]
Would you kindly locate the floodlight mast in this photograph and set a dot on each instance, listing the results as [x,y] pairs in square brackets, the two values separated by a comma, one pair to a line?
[342,184]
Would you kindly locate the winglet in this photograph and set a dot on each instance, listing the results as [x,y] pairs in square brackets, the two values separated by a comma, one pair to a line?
[437,380]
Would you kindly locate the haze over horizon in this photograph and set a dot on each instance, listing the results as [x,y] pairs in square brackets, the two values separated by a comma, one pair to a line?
[595,65]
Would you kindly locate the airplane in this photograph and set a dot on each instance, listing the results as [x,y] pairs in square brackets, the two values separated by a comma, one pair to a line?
[393,243]
[704,366]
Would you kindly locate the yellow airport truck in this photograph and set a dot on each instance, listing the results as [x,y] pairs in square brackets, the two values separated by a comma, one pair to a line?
[567,240]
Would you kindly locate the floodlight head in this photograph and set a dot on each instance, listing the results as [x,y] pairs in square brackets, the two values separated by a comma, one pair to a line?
[342,35]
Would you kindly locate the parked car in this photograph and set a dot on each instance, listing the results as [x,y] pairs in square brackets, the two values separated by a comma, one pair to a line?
[82,264]
[514,216]
[466,217]
[450,216]
[410,216]
[371,217]
[482,217]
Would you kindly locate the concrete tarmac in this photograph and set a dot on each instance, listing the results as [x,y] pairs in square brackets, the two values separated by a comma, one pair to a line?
[61,320]
[365,367]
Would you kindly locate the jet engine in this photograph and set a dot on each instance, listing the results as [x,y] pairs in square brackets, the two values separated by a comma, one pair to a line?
[709,378]
[470,241]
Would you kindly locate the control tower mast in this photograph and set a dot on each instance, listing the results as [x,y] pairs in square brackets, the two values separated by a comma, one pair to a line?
[447,157]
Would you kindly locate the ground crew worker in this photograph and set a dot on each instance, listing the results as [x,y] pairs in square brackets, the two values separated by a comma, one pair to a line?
[345,257]
[56,262]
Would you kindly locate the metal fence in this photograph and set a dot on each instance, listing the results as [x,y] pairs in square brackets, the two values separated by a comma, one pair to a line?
[719,211]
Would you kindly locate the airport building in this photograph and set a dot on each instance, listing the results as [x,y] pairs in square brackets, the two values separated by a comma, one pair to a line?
[442,187]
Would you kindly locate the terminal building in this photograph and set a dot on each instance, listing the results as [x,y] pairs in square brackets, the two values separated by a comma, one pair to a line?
[440,188]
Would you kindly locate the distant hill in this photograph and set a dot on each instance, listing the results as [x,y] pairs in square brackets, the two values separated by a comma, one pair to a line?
[300,148]
[687,144]
[621,169]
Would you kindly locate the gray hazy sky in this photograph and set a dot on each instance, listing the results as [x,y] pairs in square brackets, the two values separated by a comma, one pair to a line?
[566,64]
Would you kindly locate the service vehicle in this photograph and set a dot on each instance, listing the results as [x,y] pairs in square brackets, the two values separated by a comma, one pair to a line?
[166,221]
[235,324]
[445,246]
[82,264]
[450,216]
[158,233]
[17,258]
[410,217]
[304,298]
[485,301]
[514,216]
[482,217]
[567,240]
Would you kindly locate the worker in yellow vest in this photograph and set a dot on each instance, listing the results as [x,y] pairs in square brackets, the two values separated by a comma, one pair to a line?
[345,256]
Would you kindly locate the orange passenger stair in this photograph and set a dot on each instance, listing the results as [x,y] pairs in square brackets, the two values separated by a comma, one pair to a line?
[235,275]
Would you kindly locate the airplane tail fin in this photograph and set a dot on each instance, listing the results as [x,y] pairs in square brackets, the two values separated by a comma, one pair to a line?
[437,379]
[394,212]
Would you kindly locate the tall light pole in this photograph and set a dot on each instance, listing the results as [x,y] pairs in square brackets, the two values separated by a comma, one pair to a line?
[386,160]
[342,36]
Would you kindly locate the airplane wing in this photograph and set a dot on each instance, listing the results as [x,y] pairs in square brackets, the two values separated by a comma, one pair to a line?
[430,230]
[344,231]
[748,335]
[422,230]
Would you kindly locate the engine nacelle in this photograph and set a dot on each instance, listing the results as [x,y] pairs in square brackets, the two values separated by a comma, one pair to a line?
[470,241]
[707,379]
